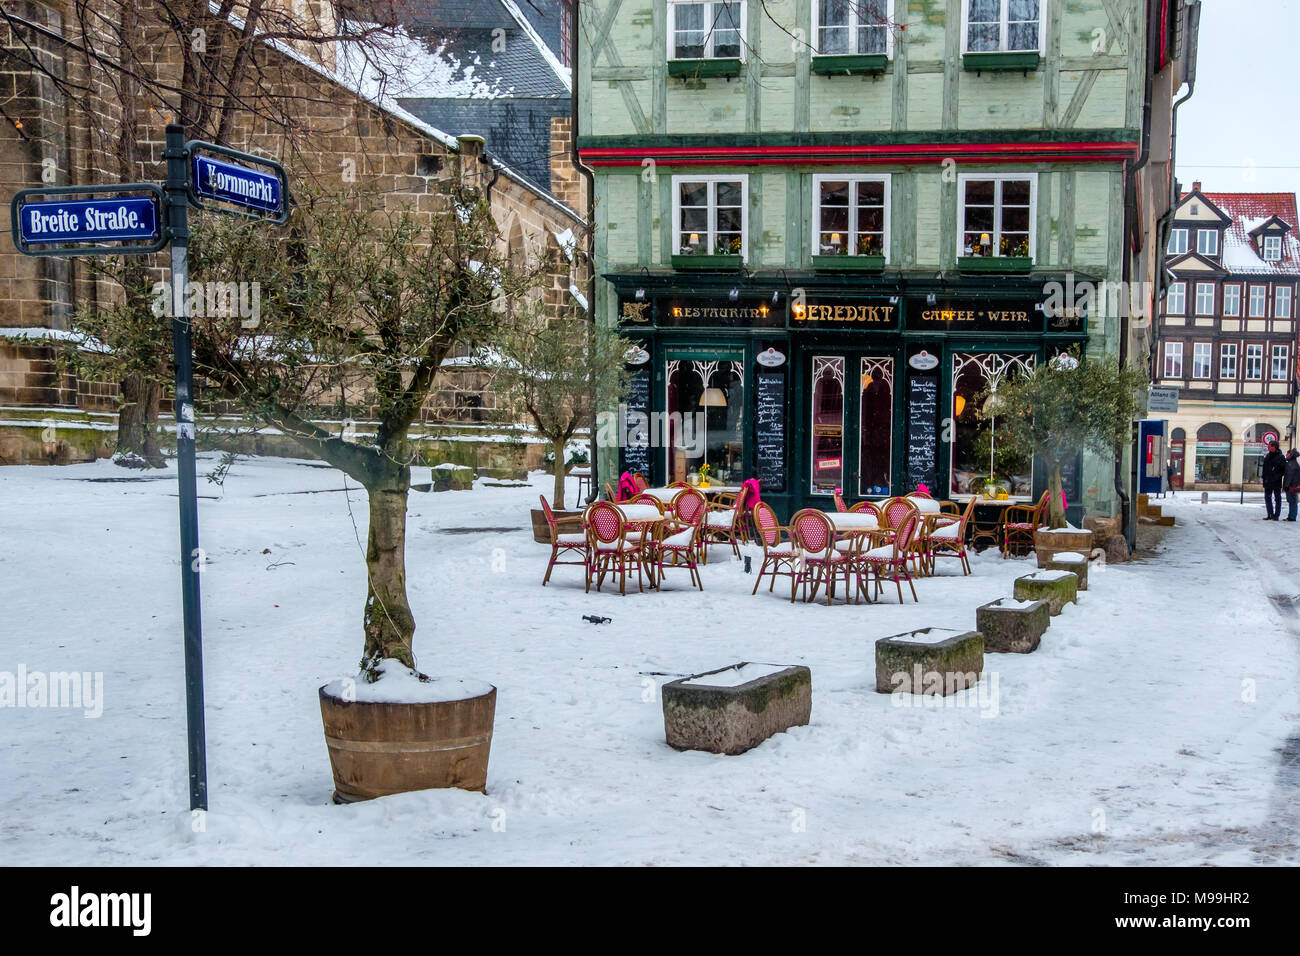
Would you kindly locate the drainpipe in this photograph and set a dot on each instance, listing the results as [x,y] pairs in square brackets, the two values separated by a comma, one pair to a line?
[590,251]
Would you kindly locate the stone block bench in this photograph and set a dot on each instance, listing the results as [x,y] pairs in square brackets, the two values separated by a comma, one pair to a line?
[450,477]
[1071,561]
[1057,588]
[1012,627]
[735,708]
[933,660]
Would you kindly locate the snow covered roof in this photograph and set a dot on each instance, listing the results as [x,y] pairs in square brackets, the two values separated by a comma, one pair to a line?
[1247,212]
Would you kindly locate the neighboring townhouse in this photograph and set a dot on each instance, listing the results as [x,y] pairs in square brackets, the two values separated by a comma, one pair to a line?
[1227,334]
[832,226]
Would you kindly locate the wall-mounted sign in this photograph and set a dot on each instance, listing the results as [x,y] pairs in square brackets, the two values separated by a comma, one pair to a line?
[225,182]
[637,356]
[770,358]
[53,222]
[1162,400]
[923,360]
[975,315]
[634,313]
[718,313]
[877,314]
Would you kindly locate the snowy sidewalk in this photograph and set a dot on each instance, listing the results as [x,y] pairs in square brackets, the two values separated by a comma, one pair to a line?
[1146,728]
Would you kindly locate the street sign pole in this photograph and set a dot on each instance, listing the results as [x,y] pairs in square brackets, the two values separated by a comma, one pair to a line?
[177,206]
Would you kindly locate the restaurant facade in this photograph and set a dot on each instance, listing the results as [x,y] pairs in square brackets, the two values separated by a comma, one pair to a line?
[830,252]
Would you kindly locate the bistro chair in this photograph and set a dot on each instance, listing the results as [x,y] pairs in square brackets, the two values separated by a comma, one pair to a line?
[562,544]
[1019,522]
[890,558]
[817,559]
[682,543]
[895,512]
[726,524]
[840,506]
[609,492]
[612,548]
[870,508]
[639,480]
[949,539]
[777,553]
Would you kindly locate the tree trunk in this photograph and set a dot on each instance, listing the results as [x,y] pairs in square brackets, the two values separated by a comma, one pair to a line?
[389,624]
[557,501]
[1056,513]
[137,422]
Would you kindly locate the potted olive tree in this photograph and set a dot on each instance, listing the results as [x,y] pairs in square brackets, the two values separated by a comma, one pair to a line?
[367,297]
[1061,408]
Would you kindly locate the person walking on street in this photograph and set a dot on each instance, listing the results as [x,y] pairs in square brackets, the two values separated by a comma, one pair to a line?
[1291,482]
[1271,473]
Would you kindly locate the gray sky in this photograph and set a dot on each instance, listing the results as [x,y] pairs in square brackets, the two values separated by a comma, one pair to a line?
[1239,127]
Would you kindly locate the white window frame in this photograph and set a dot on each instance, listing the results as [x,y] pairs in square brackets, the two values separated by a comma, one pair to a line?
[1282,354]
[1004,7]
[1275,244]
[853,30]
[1232,293]
[1282,302]
[743,179]
[1202,360]
[708,38]
[1254,362]
[853,209]
[1181,235]
[1176,290]
[1212,234]
[1173,353]
[1200,288]
[996,238]
[1263,302]
[1228,361]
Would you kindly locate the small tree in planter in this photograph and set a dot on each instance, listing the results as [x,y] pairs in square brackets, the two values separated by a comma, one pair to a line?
[1063,407]
[557,371]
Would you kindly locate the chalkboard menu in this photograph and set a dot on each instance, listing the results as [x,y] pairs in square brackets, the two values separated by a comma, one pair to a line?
[922,432]
[769,451]
[1070,483]
[634,440]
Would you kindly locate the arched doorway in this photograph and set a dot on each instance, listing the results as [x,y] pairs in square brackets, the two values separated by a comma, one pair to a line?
[1213,454]
[1177,448]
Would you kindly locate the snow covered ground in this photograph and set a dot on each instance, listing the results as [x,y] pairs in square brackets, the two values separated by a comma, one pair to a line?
[1157,723]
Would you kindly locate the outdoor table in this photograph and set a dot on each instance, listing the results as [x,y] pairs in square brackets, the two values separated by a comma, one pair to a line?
[637,515]
[666,495]
[583,474]
[851,520]
[645,514]
[981,529]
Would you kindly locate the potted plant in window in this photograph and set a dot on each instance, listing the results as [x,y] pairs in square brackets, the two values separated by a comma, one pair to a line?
[866,255]
[694,254]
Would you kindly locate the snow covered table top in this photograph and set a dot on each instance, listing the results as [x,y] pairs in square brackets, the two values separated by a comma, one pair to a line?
[851,520]
[663,494]
[640,512]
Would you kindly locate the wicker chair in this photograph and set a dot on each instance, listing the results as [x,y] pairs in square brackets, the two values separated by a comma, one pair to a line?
[639,480]
[892,558]
[613,549]
[840,506]
[683,542]
[723,523]
[895,511]
[818,558]
[777,553]
[949,539]
[562,544]
[870,508]
[1019,522]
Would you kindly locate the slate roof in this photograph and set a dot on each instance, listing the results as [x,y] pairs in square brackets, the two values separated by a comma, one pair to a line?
[1248,211]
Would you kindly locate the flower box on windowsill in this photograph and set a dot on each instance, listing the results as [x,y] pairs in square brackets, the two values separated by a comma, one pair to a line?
[1005,264]
[849,263]
[728,67]
[847,64]
[718,263]
[977,62]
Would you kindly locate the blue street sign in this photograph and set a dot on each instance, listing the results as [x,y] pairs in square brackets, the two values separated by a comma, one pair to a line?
[61,221]
[239,185]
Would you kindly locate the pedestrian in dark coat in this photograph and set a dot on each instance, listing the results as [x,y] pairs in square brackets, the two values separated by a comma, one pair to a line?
[1291,482]
[1270,473]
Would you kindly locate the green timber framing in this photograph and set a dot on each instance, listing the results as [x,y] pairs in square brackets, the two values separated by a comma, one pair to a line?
[1073,119]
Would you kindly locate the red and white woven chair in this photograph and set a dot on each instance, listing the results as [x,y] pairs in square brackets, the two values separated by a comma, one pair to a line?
[949,539]
[562,544]
[725,524]
[683,541]
[612,547]
[840,506]
[870,508]
[889,559]
[640,481]
[817,558]
[778,554]
[1019,523]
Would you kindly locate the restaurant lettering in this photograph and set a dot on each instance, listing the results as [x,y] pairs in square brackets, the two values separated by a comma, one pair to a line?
[881,314]
[712,312]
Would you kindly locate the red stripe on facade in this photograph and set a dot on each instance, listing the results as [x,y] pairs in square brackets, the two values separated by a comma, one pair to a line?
[1108,152]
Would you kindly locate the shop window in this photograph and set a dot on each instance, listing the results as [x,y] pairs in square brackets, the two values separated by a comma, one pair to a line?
[876,433]
[708,30]
[977,456]
[827,423]
[1213,454]
[709,215]
[705,421]
[852,215]
[1232,299]
[1253,450]
[1254,362]
[997,215]
[1228,361]
[1002,26]
[852,26]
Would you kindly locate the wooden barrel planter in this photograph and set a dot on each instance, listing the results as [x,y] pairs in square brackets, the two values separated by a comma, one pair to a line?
[568,522]
[381,748]
[1047,544]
